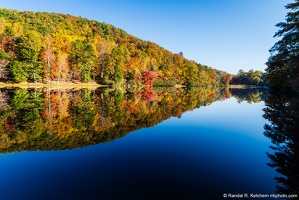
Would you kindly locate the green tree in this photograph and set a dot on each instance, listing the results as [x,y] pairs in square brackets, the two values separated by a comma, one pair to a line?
[29,46]
[119,76]
[19,72]
[83,59]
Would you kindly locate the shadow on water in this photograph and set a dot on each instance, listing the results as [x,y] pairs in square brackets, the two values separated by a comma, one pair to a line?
[282,111]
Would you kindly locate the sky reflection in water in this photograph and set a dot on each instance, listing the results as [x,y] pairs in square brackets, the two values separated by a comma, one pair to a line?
[209,151]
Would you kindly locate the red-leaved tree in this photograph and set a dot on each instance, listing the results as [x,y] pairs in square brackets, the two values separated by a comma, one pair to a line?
[149,95]
[148,77]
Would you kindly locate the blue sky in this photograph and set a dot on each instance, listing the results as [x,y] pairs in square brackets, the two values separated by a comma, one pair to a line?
[225,34]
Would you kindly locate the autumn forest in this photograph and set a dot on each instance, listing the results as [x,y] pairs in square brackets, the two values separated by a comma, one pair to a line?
[152,122]
[58,48]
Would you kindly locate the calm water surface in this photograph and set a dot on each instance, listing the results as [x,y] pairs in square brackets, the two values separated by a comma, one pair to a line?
[216,147]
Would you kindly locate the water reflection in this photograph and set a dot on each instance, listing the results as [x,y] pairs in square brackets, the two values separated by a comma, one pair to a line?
[58,119]
[249,95]
[210,151]
[283,114]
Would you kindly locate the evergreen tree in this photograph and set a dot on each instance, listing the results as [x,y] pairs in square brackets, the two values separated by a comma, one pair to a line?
[283,69]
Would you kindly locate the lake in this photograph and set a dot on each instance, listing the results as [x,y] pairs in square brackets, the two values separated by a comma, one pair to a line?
[157,143]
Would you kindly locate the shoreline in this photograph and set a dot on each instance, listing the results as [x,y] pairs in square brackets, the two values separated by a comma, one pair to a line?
[248,87]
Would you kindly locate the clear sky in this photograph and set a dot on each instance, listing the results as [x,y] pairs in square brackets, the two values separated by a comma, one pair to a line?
[225,34]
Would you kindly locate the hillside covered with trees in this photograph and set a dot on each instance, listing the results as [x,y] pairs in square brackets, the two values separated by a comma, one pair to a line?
[50,47]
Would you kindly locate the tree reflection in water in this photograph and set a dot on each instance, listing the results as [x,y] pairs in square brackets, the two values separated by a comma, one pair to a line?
[282,111]
[56,119]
